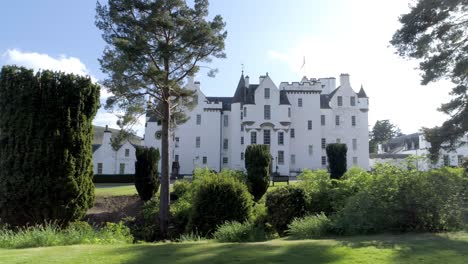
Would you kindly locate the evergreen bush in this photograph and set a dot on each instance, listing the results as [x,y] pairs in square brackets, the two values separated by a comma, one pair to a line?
[257,163]
[146,172]
[283,205]
[337,164]
[310,227]
[46,134]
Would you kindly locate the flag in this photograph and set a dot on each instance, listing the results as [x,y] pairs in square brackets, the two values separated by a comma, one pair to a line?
[303,63]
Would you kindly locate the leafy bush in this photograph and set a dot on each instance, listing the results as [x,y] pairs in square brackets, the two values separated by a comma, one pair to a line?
[329,195]
[257,163]
[180,216]
[52,235]
[240,232]
[337,164]
[217,199]
[180,188]
[405,200]
[283,205]
[146,172]
[238,174]
[314,226]
[190,237]
[146,225]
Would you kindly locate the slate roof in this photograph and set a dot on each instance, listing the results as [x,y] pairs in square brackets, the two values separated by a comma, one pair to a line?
[226,101]
[241,91]
[284,98]
[324,101]
[99,133]
[362,93]
[397,144]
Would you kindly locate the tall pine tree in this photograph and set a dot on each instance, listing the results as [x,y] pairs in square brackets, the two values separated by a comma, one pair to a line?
[45,145]
[152,46]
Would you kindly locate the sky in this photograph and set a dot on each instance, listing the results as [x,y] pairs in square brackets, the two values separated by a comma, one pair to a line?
[274,36]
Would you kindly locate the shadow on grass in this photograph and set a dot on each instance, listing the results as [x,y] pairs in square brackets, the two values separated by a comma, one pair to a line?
[411,248]
[213,253]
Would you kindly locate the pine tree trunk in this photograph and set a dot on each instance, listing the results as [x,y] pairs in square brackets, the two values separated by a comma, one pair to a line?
[164,193]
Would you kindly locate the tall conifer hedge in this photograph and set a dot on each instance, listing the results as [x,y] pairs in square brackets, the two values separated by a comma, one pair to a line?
[257,163]
[45,145]
[146,172]
[337,164]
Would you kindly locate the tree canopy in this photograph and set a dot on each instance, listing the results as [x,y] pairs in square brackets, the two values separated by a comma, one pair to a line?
[152,46]
[382,131]
[436,34]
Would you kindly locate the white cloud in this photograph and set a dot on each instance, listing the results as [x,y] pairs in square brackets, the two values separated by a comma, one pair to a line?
[67,64]
[362,50]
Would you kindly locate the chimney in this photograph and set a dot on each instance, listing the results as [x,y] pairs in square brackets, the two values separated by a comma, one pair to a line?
[107,136]
[246,80]
[197,85]
[344,79]
[260,79]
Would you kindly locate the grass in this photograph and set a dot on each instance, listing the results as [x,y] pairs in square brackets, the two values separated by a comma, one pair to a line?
[408,248]
[115,189]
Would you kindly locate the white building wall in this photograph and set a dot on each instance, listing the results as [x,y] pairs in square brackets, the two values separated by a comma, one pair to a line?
[111,159]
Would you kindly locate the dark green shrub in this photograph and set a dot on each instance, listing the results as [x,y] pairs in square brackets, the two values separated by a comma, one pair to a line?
[217,199]
[257,163]
[283,205]
[310,227]
[181,188]
[46,129]
[337,164]
[180,216]
[146,172]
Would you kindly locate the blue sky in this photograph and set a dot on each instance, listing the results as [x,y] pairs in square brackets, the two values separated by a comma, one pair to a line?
[334,36]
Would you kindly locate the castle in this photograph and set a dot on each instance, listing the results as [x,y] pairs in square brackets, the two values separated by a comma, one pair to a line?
[296,119]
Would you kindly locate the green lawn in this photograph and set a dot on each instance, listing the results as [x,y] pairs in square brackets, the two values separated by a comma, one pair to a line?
[115,189]
[410,248]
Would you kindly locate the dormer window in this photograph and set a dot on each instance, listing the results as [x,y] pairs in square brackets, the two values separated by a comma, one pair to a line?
[353,101]
[267,93]
[340,100]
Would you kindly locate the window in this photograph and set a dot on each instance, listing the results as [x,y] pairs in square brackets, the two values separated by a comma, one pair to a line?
[242,127]
[322,120]
[337,120]
[311,150]
[299,102]
[266,136]
[280,138]
[293,134]
[197,142]
[293,159]
[225,160]
[225,143]
[245,111]
[253,137]
[242,116]
[99,168]
[267,93]
[309,124]
[338,140]
[280,157]
[198,119]
[176,158]
[242,155]
[289,111]
[340,100]
[446,160]
[324,160]
[352,101]
[242,140]
[354,143]
[324,143]
[205,159]
[226,120]
[354,161]
[353,120]
[460,160]
[266,112]
[159,122]
[176,142]
[127,152]
[122,168]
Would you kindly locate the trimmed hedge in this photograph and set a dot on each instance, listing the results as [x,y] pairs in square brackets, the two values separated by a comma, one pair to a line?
[114,178]
[257,163]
